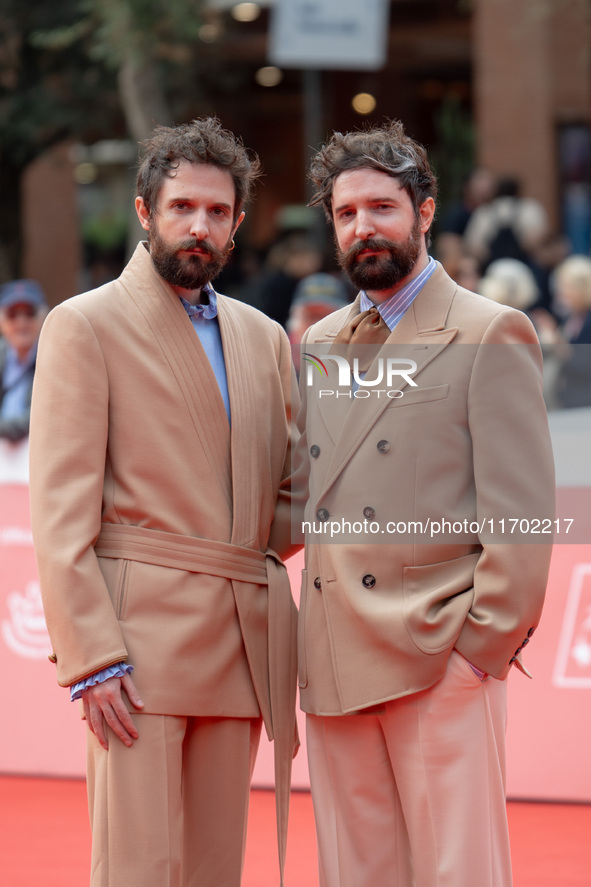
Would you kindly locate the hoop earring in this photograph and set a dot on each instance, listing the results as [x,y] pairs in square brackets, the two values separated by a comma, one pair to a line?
[232,246]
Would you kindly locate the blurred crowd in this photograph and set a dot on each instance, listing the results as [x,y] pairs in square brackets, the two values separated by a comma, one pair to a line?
[498,243]
[493,241]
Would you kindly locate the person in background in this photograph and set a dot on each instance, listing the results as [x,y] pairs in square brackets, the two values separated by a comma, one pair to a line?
[510,282]
[314,297]
[509,227]
[572,295]
[570,341]
[290,260]
[513,283]
[22,311]
[479,187]
[467,272]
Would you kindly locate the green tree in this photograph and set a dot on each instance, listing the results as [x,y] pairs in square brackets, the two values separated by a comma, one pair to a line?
[45,97]
[84,69]
[144,43]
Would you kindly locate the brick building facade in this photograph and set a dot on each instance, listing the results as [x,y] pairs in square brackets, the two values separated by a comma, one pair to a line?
[520,70]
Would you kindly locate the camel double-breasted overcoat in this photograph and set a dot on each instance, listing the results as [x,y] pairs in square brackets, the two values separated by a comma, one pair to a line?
[431,500]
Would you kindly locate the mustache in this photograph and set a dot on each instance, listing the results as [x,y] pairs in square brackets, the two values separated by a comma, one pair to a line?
[372,244]
[203,245]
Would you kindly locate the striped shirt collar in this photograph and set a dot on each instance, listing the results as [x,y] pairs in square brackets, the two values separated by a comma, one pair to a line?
[395,307]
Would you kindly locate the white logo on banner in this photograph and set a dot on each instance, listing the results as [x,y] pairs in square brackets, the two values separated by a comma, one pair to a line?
[573,660]
[16,536]
[25,633]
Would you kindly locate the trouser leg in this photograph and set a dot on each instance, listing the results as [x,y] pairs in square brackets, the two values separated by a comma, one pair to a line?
[135,806]
[171,810]
[361,833]
[447,745]
[415,797]
[218,761]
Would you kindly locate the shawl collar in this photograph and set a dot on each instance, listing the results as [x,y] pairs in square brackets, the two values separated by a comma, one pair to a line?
[175,335]
[241,385]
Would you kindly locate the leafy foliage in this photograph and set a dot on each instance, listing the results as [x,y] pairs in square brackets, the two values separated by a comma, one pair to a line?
[46,92]
[86,70]
[59,65]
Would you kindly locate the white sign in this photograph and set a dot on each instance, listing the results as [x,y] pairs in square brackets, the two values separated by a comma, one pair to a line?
[573,658]
[326,34]
[14,461]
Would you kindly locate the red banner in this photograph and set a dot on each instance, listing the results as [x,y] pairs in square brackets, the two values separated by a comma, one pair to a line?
[549,717]
[42,732]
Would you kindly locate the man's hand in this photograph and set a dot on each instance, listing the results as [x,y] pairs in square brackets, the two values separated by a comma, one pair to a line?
[104,702]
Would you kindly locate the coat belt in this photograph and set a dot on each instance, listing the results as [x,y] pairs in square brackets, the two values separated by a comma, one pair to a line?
[182,552]
[233,562]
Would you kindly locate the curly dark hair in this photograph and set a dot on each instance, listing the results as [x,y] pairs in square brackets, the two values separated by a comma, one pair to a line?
[386,148]
[201,141]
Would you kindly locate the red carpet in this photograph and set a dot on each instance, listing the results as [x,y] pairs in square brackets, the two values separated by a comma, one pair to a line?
[45,840]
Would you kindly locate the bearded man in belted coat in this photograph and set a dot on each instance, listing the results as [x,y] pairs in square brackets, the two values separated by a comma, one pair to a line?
[160,439]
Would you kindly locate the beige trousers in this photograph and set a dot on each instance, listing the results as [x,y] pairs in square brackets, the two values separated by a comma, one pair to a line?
[171,810]
[414,796]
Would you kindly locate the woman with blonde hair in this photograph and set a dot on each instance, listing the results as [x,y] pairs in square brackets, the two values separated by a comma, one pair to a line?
[571,283]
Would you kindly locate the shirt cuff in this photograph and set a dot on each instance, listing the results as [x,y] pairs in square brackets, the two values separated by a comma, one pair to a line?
[113,671]
[477,671]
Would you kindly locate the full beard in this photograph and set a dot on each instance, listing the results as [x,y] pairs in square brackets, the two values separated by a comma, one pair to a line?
[383,271]
[188,272]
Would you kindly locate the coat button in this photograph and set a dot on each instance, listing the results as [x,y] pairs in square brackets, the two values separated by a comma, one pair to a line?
[525,642]
[314,451]
[383,446]
[368,580]
[317,583]
[323,514]
[530,632]
[512,660]
[369,512]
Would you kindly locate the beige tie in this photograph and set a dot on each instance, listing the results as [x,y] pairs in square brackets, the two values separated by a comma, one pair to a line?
[367,328]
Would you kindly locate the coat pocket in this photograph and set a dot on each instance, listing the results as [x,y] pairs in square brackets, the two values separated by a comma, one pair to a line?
[121,600]
[116,573]
[419,395]
[437,600]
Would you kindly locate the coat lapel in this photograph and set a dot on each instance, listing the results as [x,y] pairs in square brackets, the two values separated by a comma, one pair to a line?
[241,386]
[324,373]
[420,336]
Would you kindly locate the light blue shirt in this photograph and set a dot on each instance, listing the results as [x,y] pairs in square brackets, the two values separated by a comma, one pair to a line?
[205,322]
